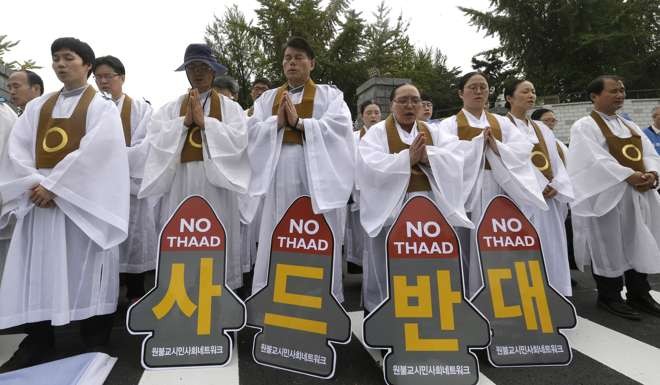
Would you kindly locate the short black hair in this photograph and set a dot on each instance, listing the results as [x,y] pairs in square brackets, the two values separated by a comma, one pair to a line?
[597,85]
[397,87]
[366,104]
[536,115]
[462,81]
[262,81]
[111,62]
[298,42]
[426,97]
[34,80]
[81,49]
[226,82]
[509,89]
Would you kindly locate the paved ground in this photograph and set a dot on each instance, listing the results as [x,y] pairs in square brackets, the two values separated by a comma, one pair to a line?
[607,350]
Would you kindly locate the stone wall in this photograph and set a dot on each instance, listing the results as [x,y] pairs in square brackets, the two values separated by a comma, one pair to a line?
[378,90]
[639,110]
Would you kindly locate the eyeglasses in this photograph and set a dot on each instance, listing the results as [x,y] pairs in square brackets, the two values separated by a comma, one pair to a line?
[409,100]
[477,87]
[427,104]
[105,77]
[198,67]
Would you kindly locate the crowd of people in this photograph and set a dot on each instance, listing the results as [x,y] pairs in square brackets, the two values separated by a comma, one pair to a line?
[88,179]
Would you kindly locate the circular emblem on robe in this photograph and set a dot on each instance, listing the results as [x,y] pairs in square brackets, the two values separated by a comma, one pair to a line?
[49,144]
[540,160]
[195,137]
[631,148]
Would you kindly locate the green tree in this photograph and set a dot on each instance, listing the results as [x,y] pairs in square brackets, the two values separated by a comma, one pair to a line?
[496,68]
[5,46]
[278,20]
[427,68]
[387,47]
[236,44]
[562,44]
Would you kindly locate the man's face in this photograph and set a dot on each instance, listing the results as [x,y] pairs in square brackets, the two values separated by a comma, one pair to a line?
[656,117]
[426,111]
[69,67]
[257,90]
[108,80]
[406,105]
[200,75]
[611,98]
[297,65]
[20,90]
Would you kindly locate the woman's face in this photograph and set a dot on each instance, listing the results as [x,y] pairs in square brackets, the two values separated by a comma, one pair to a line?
[475,92]
[524,96]
[549,119]
[371,115]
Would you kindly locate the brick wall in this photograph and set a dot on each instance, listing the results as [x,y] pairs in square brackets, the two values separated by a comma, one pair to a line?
[638,109]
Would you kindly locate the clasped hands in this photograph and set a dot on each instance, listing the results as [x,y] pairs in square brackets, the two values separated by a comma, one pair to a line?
[195,113]
[417,150]
[287,116]
[642,181]
[42,197]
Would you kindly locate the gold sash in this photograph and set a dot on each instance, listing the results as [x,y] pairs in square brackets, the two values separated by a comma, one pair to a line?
[418,180]
[126,118]
[540,155]
[192,147]
[57,137]
[467,132]
[627,151]
[305,110]
[560,151]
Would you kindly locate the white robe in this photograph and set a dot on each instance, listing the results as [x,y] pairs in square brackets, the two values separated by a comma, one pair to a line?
[383,180]
[322,168]
[615,227]
[219,178]
[355,238]
[511,174]
[7,120]
[550,223]
[63,263]
[138,252]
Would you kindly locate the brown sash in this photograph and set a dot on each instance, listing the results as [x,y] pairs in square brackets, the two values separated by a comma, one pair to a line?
[627,151]
[305,110]
[362,132]
[467,132]
[418,180]
[57,137]
[540,155]
[192,147]
[560,151]
[126,118]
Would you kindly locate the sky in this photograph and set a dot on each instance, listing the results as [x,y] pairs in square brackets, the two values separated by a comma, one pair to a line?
[150,38]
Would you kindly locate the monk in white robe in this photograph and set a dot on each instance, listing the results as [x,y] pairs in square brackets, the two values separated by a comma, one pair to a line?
[7,120]
[355,238]
[399,158]
[301,143]
[65,183]
[496,162]
[138,253]
[198,146]
[616,213]
[552,179]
